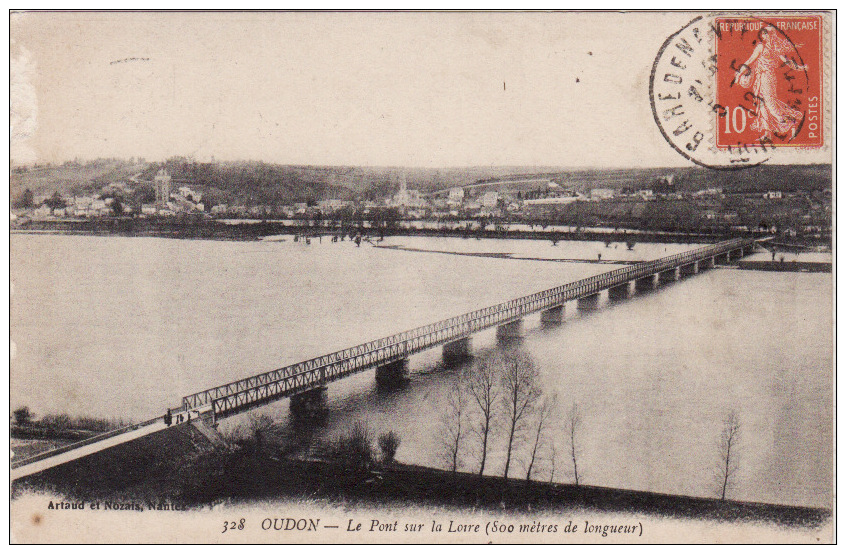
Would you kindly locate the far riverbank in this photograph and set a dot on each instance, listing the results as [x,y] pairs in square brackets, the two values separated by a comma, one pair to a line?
[252,230]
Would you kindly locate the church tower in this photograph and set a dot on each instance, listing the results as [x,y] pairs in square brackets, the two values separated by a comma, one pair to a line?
[162,180]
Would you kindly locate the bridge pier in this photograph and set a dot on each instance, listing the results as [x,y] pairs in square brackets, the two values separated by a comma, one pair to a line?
[310,404]
[670,275]
[623,291]
[393,373]
[690,269]
[646,283]
[553,316]
[588,302]
[510,332]
[457,351]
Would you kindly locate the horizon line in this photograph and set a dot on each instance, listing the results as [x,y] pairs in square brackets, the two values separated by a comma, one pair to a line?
[552,167]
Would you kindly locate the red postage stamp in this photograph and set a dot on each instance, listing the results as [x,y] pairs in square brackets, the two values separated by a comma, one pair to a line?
[769,81]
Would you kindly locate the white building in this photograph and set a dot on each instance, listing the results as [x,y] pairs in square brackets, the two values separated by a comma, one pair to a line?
[190,193]
[773,195]
[456,195]
[42,211]
[711,191]
[333,205]
[552,201]
[601,193]
[490,199]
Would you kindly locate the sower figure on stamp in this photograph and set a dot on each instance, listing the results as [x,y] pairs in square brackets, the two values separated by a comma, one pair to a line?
[772,115]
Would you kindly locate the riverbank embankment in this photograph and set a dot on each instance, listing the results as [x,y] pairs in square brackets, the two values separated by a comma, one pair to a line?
[211,229]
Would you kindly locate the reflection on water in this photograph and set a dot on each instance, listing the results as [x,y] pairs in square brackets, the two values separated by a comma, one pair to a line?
[124,327]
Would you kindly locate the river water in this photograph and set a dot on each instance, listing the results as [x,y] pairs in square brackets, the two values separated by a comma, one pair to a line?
[123,327]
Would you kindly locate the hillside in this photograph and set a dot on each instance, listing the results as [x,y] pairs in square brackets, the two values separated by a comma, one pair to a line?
[689,179]
[71,178]
[263,183]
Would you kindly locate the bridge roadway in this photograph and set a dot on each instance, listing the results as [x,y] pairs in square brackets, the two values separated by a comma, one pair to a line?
[263,388]
[98,443]
[80,449]
[207,406]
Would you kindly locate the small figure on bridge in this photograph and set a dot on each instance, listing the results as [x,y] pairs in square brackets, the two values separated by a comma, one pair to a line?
[599,257]
[168,418]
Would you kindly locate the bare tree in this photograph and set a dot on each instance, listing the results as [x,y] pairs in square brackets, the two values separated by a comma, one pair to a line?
[552,456]
[453,421]
[574,422]
[483,387]
[520,395]
[542,419]
[728,466]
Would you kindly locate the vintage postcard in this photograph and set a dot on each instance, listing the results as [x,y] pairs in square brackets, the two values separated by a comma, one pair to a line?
[454,277]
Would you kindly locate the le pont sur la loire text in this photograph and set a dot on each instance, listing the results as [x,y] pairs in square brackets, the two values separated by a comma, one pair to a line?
[488,528]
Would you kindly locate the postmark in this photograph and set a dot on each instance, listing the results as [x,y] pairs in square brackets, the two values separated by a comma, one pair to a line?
[734,92]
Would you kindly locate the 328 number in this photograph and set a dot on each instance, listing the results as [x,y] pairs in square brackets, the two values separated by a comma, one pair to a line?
[233,525]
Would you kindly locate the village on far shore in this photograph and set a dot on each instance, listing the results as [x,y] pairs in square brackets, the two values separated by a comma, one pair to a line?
[655,199]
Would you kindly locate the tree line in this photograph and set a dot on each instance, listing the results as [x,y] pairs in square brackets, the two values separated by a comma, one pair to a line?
[500,400]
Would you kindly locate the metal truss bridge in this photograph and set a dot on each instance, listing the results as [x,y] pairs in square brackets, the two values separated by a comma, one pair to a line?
[263,388]
[204,408]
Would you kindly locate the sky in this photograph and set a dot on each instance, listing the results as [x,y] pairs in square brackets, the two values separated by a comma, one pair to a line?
[364,89]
